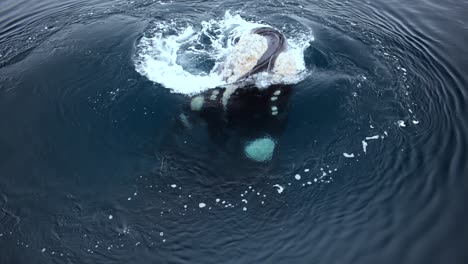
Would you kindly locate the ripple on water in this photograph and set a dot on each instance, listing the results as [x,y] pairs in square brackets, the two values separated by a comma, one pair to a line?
[368,167]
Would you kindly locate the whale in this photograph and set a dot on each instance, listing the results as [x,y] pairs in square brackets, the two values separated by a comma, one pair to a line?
[250,125]
[240,111]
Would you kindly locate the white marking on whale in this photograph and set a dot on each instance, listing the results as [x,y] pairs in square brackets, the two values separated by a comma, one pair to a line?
[260,50]
[197,103]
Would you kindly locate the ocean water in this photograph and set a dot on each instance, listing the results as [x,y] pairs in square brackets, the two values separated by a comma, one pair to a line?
[99,163]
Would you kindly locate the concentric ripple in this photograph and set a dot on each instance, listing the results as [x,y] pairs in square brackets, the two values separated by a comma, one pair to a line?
[96,167]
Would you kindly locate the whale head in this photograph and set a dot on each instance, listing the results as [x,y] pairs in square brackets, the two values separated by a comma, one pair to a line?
[262,49]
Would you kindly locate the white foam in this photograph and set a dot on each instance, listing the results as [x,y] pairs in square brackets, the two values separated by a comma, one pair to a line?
[280,188]
[165,54]
[348,155]
[364,146]
[201,205]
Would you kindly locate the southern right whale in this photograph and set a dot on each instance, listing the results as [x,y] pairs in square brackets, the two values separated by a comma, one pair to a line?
[240,111]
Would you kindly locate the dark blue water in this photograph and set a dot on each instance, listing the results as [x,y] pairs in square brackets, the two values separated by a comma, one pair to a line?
[95,169]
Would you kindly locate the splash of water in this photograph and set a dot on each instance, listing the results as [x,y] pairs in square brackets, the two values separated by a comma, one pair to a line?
[175,54]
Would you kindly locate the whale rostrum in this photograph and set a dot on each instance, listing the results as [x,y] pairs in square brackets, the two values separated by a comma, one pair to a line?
[260,50]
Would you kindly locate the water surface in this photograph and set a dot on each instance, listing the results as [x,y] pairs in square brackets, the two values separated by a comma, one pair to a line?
[370,166]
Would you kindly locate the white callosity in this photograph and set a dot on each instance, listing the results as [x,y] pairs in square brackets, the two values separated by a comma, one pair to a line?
[285,68]
[197,103]
[246,54]
[230,89]
[244,57]
[274,110]
[214,94]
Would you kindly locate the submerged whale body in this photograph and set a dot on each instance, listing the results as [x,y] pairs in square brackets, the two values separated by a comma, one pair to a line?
[261,50]
[257,115]
[245,104]
[251,116]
